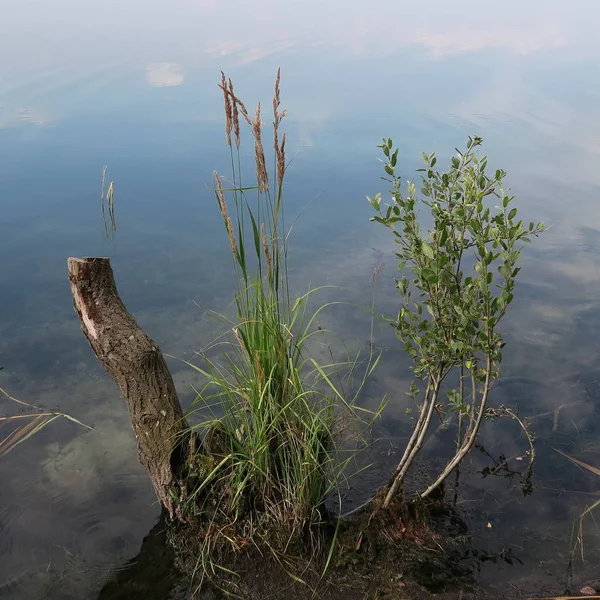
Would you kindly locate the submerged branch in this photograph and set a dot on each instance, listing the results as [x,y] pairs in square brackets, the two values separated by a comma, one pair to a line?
[469,438]
[415,443]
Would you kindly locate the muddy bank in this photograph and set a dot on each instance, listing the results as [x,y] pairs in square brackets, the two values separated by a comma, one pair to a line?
[376,556]
[424,554]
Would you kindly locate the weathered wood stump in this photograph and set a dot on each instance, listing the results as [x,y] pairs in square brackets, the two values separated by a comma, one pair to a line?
[137,365]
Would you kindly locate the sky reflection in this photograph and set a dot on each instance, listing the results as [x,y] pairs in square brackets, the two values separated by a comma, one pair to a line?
[137,32]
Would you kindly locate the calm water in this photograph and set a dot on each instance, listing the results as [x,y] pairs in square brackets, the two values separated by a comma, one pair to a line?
[133,86]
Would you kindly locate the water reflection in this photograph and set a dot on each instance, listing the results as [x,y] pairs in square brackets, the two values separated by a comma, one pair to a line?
[201,29]
[133,86]
[164,74]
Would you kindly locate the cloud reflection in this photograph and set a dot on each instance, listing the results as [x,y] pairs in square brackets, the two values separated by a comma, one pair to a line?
[191,29]
[27,115]
[164,74]
[522,40]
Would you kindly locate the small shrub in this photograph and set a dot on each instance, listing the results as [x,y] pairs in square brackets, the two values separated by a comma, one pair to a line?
[456,282]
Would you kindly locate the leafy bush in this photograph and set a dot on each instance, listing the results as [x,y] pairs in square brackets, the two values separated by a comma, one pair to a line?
[456,282]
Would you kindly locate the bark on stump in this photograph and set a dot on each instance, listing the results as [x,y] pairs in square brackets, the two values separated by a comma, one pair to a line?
[136,364]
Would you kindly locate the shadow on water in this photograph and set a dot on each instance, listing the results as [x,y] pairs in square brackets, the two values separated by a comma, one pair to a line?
[151,573]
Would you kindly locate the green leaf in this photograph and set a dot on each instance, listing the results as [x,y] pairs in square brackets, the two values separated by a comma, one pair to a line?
[512,214]
[427,250]
[375,202]
[430,276]
[242,252]
[444,236]
[255,233]
[389,170]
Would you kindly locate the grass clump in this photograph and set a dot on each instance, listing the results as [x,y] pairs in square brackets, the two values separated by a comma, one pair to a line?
[270,451]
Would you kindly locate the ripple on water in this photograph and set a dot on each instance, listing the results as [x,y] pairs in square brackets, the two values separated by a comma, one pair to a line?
[20,498]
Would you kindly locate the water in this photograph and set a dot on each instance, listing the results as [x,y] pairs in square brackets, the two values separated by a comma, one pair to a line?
[133,86]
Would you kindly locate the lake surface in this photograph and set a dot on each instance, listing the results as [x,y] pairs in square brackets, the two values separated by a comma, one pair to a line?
[134,86]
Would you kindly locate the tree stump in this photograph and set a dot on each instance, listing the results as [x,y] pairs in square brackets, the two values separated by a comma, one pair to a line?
[137,365]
